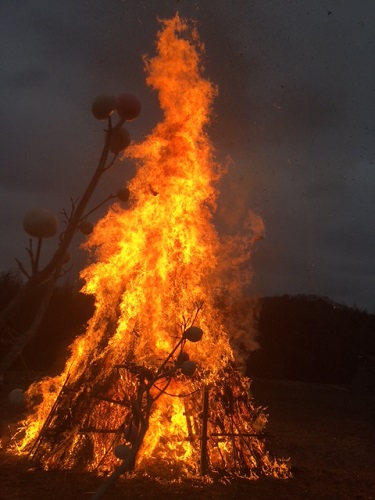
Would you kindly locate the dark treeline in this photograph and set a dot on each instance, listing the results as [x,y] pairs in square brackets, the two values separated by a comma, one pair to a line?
[312,339]
[306,338]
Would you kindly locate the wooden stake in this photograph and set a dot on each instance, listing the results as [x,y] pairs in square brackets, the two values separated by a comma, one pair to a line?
[204,437]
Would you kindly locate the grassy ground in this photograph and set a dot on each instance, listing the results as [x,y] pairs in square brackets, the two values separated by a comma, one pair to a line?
[327,431]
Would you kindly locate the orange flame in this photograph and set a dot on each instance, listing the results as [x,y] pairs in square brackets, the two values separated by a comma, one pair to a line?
[159,267]
[164,251]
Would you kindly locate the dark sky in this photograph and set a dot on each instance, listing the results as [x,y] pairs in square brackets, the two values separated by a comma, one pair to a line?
[295,113]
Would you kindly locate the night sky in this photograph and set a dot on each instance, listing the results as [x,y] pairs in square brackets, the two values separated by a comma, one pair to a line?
[295,113]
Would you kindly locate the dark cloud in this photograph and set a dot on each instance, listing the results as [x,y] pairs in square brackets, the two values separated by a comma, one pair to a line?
[294,112]
[26,79]
[302,110]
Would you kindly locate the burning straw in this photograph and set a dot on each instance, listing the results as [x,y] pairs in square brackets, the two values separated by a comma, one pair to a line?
[154,376]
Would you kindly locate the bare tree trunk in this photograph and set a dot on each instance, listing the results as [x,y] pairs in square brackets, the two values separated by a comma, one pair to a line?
[50,273]
[25,337]
[41,276]
[128,463]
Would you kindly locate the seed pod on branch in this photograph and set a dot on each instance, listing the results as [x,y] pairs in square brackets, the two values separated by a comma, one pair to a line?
[194,334]
[128,106]
[103,106]
[40,223]
[181,358]
[123,194]
[86,227]
[17,397]
[188,368]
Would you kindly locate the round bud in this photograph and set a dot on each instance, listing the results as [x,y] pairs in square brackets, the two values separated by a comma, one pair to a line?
[194,334]
[128,106]
[40,223]
[122,451]
[17,397]
[188,368]
[103,106]
[119,140]
[86,227]
[123,194]
[181,358]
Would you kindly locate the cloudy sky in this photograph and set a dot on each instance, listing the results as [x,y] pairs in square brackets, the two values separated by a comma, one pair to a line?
[295,113]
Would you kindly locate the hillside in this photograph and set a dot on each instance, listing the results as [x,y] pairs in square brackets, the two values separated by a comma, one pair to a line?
[311,339]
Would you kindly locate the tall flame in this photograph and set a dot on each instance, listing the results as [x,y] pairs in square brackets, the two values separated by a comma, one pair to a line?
[164,252]
[159,268]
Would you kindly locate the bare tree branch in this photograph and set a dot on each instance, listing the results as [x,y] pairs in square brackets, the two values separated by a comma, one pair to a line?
[110,197]
[22,269]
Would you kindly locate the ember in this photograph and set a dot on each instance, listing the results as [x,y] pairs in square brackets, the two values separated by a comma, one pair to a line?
[153,381]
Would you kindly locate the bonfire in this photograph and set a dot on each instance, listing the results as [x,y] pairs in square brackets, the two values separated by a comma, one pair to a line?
[154,384]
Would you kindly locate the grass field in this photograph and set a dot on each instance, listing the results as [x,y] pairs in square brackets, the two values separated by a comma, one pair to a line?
[327,431]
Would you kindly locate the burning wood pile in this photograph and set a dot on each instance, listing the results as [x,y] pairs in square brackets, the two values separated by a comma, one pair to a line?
[153,383]
[196,428]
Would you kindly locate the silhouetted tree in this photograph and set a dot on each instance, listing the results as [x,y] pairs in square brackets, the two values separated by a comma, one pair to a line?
[40,224]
